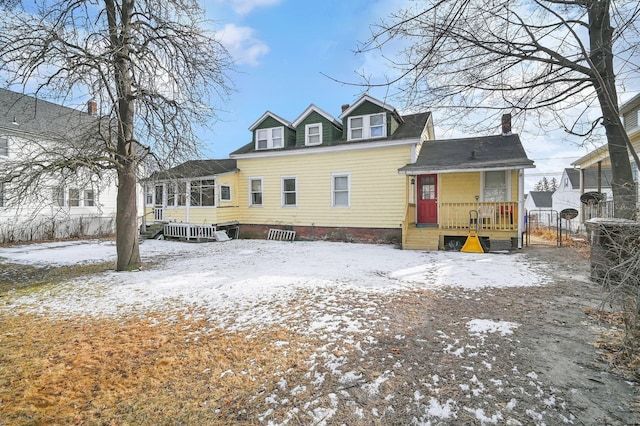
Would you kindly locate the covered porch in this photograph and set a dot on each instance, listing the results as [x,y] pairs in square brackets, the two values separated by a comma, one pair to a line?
[498,223]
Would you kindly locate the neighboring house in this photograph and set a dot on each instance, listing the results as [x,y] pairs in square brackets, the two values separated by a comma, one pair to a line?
[599,159]
[539,207]
[79,203]
[573,184]
[361,177]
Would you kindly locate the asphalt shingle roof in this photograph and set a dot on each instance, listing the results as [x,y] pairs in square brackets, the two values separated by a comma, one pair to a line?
[196,168]
[542,199]
[411,128]
[482,152]
[27,114]
[590,177]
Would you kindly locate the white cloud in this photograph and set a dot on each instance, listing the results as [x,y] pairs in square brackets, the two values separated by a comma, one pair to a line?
[243,7]
[242,45]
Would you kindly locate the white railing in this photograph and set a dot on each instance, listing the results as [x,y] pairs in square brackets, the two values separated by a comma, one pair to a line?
[189,231]
[158,214]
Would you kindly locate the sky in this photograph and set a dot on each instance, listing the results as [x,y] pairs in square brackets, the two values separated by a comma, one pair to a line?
[255,285]
[290,54]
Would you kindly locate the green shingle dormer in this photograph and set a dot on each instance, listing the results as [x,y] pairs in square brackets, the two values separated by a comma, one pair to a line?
[368,119]
[316,127]
[272,132]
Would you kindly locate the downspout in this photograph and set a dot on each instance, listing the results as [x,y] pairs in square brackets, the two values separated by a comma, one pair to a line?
[520,206]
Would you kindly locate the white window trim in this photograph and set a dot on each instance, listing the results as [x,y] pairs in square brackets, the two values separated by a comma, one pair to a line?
[306,134]
[507,178]
[251,179]
[6,141]
[190,189]
[269,139]
[366,127]
[282,192]
[333,189]
[220,192]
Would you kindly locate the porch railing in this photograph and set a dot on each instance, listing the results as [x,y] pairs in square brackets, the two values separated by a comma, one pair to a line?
[158,214]
[189,231]
[496,216]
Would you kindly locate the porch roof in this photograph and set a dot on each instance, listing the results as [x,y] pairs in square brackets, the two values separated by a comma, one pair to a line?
[470,154]
[195,169]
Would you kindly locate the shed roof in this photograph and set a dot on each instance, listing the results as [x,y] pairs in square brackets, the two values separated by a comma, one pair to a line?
[476,153]
[196,168]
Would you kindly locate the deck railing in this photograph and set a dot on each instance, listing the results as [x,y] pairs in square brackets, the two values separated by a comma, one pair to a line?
[189,231]
[497,216]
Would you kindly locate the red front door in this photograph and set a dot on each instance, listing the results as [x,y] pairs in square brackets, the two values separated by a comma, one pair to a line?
[428,199]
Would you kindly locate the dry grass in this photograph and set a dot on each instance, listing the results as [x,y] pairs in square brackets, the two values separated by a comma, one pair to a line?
[139,371]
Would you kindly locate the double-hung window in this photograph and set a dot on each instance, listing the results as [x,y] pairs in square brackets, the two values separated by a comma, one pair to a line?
[74,197]
[340,189]
[367,127]
[495,186]
[225,193]
[58,196]
[289,192]
[255,188]
[89,198]
[313,134]
[270,138]
[4,147]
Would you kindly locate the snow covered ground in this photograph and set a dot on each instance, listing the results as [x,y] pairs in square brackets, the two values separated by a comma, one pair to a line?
[240,274]
[338,291]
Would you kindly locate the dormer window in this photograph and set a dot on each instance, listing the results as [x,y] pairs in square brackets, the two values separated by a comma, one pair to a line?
[313,134]
[269,138]
[367,127]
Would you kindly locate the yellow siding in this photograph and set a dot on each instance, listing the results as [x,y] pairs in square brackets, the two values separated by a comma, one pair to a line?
[459,187]
[378,192]
[175,214]
[463,187]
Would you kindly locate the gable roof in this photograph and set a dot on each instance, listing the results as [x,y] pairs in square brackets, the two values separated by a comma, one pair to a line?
[311,108]
[367,98]
[470,154]
[410,129]
[26,114]
[195,169]
[590,177]
[272,115]
[542,199]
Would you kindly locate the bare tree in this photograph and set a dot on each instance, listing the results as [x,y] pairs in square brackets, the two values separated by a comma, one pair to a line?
[559,58]
[153,66]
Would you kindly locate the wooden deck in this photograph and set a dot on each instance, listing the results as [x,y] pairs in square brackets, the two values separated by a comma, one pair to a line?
[497,223]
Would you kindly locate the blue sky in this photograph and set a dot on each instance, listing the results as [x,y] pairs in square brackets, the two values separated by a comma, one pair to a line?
[285,48]
[282,49]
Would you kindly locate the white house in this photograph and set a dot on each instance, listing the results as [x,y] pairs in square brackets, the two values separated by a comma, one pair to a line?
[540,212]
[73,202]
[573,184]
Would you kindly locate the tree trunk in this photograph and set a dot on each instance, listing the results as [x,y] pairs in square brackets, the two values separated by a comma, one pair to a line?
[127,219]
[600,37]
[126,216]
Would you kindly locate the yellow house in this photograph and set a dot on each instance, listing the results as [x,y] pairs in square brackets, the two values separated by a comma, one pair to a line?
[598,162]
[356,178]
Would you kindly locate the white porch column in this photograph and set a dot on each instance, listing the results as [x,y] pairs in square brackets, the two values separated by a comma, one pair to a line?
[520,206]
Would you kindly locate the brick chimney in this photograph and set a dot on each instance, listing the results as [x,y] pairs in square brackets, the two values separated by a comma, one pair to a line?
[506,124]
[345,107]
[92,107]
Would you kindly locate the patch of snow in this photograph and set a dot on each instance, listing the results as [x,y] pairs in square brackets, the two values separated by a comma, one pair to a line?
[481,326]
